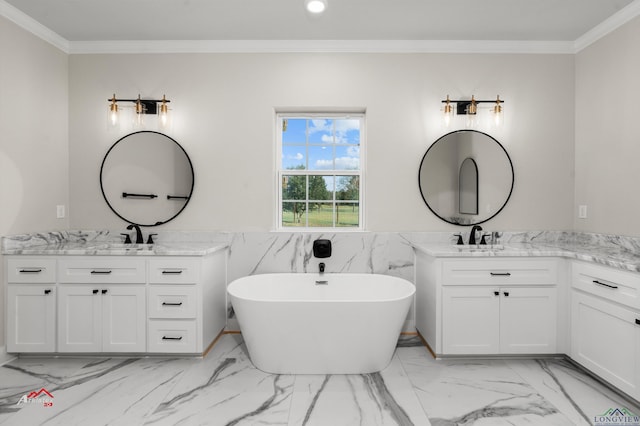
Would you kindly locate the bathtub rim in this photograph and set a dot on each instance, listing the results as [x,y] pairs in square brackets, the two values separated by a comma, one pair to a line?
[407,283]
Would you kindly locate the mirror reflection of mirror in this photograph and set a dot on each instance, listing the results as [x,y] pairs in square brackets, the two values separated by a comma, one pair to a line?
[468,187]
[440,181]
[146,178]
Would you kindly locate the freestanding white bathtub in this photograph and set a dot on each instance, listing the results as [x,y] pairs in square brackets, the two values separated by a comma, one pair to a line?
[321,323]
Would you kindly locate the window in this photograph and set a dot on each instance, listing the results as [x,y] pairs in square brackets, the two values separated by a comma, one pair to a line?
[320,176]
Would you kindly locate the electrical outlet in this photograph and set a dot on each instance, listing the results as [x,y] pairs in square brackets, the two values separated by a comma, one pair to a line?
[582,211]
[60,213]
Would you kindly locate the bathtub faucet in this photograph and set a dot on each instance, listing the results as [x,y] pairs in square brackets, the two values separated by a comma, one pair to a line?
[321,265]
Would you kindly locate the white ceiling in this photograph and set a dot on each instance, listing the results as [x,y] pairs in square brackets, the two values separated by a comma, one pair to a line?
[82,21]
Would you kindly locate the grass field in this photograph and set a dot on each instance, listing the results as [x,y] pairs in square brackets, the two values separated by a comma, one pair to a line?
[322,216]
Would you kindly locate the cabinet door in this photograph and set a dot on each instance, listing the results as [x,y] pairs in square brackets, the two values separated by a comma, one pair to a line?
[528,320]
[31,318]
[604,338]
[470,320]
[79,318]
[123,318]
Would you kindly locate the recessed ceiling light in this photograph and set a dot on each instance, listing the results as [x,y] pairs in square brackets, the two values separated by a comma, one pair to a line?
[316,6]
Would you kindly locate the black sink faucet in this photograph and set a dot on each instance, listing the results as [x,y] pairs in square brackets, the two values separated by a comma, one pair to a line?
[139,239]
[472,236]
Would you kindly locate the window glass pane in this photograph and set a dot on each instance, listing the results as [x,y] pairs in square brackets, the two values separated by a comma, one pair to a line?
[348,188]
[317,153]
[294,130]
[293,157]
[320,157]
[347,131]
[294,187]
[321,214]
[347,157]
[320,131]
[294,214]
[321,187]
[347,215]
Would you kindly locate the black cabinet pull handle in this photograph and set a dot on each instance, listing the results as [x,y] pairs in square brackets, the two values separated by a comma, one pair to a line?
[104,291]
[171,338]
[500,274]
[171,304]
[604,284]
[171,272]
[30,271]
[496,293]
[95,291]
[101,272]
[47,291]
[506,294]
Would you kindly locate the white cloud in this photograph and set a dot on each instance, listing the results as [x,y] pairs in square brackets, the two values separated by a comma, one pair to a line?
[342,163]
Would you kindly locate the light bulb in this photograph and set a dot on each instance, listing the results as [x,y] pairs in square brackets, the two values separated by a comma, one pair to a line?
[448,113]
[164,113]
[112,118]
[498,115]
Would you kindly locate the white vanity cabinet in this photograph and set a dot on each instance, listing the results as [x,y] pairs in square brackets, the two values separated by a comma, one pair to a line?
[115,303]
[605,324]
[31,305]
[101,304]
[178,320]
[487,305]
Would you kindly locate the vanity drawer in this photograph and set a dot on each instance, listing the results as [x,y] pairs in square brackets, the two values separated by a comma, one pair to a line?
[174,270]
[172,336]
[106,270]
[500,272]
[612,284]
[31,270]
[168,301]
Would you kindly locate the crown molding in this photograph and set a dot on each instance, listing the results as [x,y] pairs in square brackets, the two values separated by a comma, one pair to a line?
[21,19]
[319,46]
[28,23]
[607,26]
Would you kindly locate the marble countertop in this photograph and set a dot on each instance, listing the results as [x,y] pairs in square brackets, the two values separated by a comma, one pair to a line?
[615,257]
[71,248]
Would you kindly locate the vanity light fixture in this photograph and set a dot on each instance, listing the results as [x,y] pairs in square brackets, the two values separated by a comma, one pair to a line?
[113,112]
[141,108]
[469,109]
[315,6]
[498,116]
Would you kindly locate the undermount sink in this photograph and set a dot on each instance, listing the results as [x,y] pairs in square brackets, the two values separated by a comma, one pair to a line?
[478,247]
[124,246]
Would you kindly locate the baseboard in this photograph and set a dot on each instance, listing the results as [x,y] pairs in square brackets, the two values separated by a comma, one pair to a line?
[4,356]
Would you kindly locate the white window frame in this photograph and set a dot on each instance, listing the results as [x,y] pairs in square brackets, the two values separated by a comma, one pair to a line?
[280,172]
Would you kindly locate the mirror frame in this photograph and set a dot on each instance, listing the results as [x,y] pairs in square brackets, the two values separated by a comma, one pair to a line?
[510,166]
[104,160]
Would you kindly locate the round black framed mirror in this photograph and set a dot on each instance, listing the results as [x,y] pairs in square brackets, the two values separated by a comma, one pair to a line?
[146,178]
[442,187]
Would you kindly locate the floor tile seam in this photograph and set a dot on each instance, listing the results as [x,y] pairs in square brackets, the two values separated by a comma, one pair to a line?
[413,386]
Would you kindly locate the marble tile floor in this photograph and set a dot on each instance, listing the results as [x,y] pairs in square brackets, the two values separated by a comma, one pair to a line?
[225,389]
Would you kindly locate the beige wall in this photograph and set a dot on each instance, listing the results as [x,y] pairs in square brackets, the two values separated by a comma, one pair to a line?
[224,117]
[34,163]
[608,133]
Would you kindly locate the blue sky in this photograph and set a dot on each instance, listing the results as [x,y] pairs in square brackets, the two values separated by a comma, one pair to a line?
[331,139]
